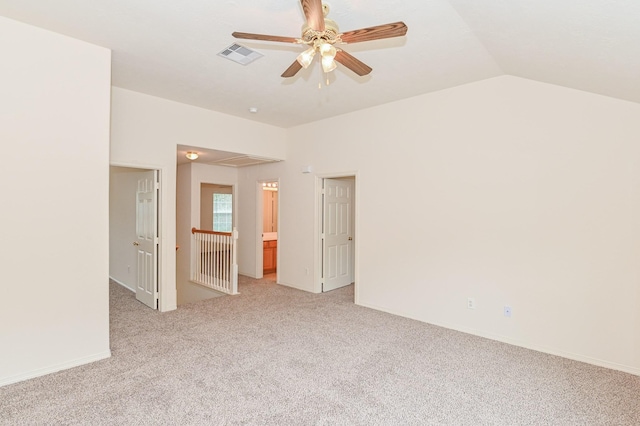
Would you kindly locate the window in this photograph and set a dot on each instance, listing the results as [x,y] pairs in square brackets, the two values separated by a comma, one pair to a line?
[222,212]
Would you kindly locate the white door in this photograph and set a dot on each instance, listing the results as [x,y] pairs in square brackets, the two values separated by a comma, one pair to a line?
[337,252]
[146,242]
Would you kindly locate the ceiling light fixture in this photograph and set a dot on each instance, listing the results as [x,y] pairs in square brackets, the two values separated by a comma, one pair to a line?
[328,53]
[326,50]
[320,34]
[320,41]
[191,155]
[306,57]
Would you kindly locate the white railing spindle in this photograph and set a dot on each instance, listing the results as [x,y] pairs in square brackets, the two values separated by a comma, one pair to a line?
[214,262]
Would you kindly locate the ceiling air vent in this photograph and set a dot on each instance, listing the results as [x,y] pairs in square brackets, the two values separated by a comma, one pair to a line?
[242,160]
[240,54]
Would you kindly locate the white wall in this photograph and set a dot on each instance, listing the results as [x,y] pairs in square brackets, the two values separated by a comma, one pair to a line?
[54,177]
[145,132]
[507,190]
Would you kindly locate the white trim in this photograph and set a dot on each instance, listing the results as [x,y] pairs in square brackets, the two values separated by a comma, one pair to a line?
[293,286]
[234,200]
[54,368]
[259,228]
[516,342]
[248,274]
[258,273]
[317,249]
[122,284]
[317,241]
[162,283]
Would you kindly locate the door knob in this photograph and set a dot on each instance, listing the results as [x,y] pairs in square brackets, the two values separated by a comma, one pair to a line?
[350,238]
[135,243]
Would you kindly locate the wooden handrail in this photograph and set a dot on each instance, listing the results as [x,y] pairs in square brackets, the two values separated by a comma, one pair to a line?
[202,231]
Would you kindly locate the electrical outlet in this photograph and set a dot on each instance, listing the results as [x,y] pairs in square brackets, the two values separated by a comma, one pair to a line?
[471,303]
[507,311]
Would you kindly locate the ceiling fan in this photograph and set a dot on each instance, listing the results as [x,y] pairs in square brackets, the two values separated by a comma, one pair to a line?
[321,35]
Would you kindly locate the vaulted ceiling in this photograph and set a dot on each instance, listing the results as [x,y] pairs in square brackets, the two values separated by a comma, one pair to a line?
[169,48]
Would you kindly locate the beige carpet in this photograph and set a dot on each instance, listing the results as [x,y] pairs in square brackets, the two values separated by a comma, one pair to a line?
[278,356]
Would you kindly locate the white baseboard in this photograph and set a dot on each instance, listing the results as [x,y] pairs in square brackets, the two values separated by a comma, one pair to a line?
[248,274]
[297,287]
[54,368]
[516,342]
[122,284]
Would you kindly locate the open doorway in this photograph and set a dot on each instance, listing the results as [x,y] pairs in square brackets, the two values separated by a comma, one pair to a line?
[336,232]
[206,205]
[134,243]
[267,227]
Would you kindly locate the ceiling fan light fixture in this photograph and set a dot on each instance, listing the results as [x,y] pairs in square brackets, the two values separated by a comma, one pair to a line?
[306,57]
[320,34]
[327,50]
[328,64]
[192,155]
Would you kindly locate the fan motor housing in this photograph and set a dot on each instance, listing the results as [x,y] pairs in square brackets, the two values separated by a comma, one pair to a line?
[329,35]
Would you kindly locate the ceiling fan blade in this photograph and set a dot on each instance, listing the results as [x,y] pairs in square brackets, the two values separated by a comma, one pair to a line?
[314,14]
[352,63]
[395,29]
[292,70]
[264,37]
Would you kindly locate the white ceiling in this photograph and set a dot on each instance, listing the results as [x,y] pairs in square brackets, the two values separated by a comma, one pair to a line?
[221,158]
[169,48]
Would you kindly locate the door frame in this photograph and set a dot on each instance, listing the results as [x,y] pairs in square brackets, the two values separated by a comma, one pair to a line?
[258,234]
[161,252]
[147,244]
[196,218]
[317,234]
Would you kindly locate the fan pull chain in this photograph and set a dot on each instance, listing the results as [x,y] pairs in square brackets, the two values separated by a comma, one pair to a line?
[326,74]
